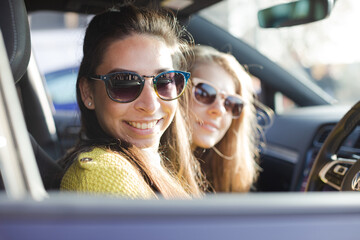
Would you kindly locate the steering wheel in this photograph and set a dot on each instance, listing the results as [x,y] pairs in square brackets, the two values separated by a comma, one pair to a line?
[342,174]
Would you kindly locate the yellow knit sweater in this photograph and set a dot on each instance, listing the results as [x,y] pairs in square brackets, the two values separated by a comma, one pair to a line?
[105,172]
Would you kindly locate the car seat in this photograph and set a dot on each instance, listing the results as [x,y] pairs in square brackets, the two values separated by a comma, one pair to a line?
[15,30]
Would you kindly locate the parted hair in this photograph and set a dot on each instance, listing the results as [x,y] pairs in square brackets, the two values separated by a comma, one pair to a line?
[181,175]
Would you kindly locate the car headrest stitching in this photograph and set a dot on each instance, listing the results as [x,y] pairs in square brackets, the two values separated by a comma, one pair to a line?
[12,57]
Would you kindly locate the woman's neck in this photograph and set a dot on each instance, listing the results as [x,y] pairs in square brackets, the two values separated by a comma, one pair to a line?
[153,155]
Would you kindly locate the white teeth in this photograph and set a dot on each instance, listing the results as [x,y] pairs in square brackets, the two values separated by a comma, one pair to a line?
[143,125]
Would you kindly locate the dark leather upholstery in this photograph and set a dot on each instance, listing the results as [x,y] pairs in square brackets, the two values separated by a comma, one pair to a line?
[16,35]
[50,171]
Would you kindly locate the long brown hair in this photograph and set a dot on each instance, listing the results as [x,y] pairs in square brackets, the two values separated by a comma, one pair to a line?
[231,165]
[180,175]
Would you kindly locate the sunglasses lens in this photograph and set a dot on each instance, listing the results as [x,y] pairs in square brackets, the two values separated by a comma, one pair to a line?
[205,93]
[170,85]
[234,105]
[124,87]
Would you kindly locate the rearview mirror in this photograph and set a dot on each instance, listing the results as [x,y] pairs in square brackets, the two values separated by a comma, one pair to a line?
[295,13]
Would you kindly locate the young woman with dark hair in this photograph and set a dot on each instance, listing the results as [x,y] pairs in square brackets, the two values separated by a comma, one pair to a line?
[134,141]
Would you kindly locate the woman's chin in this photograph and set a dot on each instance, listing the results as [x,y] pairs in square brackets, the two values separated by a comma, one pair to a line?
[145,144]
[204,143]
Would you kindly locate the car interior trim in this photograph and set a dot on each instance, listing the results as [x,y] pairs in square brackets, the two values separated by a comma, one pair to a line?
[281,153]
[11,171]
[35,80]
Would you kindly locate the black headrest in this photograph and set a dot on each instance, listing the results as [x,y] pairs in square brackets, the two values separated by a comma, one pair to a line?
[15,30]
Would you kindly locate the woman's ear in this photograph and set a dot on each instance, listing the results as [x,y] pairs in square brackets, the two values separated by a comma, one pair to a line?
[86,92]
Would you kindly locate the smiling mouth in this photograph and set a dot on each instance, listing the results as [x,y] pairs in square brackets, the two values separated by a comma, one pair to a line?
[143,125]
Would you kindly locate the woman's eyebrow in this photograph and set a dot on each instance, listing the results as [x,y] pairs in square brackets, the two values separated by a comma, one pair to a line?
[119,70]
[161,70]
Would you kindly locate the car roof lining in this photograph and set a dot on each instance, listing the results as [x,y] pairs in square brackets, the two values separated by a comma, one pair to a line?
[97,6]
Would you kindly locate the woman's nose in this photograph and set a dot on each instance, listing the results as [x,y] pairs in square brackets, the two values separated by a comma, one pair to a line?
[217,108]
[148,101]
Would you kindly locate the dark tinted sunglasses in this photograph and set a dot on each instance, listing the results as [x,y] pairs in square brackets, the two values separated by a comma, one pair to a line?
[125,87]
[205,93]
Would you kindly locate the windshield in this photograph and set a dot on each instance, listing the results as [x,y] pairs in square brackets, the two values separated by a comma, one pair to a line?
[328,51]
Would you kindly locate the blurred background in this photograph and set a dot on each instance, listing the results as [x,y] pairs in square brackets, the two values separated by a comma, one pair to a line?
[329,56]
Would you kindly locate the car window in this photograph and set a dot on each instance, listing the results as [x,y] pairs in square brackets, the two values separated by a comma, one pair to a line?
[63,79]
[57,46]
[326,55]
[292,144]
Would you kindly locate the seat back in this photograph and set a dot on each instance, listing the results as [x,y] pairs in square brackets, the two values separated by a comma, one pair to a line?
[15,30]
[16,34]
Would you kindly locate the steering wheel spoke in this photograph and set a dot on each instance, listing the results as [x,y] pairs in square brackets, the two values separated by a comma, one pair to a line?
[342,174]
[334,172]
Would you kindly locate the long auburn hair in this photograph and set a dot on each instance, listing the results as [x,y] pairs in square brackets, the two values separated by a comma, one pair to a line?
[231,165]
[181,176]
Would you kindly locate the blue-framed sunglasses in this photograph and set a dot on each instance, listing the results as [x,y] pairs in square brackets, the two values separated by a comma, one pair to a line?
[125,87]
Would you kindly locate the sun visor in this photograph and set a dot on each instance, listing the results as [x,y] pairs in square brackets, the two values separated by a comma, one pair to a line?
[15,30]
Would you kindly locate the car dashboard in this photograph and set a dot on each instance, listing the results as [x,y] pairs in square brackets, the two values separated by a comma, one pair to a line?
[292,142]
